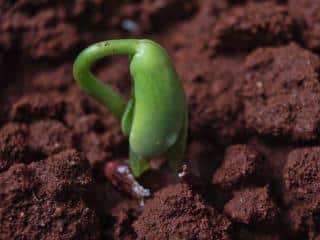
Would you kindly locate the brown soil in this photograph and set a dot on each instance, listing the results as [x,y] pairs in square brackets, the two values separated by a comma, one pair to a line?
[251,74]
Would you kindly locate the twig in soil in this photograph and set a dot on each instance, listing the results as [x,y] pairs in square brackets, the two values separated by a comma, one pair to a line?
[119,174]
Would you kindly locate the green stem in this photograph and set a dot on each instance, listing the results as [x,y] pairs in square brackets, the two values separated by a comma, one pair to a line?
[94,87]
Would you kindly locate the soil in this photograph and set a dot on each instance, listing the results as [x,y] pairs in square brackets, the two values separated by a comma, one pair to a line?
[250,69]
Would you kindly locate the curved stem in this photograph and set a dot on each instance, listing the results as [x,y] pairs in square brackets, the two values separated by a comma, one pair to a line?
[94,87]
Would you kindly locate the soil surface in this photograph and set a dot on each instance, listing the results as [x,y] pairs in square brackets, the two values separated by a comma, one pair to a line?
[250,69]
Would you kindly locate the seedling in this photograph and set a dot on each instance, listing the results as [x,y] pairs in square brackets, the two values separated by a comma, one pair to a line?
[155,119]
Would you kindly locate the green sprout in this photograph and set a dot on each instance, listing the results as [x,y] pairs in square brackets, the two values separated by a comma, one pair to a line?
[155,119]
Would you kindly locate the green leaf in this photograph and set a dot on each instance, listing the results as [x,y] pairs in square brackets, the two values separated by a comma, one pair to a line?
[176,152]
[137,164]
[126,121]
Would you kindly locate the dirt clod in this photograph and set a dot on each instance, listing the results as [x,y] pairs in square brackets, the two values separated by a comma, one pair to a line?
[177,212]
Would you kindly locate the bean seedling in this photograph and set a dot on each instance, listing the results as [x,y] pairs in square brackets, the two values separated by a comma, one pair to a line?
[155,119]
